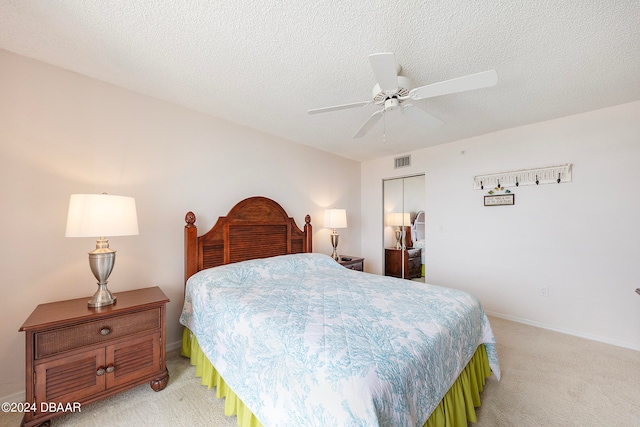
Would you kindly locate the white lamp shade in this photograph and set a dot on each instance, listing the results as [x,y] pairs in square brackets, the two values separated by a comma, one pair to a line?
[398,219]
[335,218]
[101,215]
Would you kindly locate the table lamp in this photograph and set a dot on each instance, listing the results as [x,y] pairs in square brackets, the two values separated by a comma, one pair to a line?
[399,220]
[335,218]
[101,215]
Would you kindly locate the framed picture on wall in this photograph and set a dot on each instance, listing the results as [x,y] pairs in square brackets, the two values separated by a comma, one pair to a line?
[500,200]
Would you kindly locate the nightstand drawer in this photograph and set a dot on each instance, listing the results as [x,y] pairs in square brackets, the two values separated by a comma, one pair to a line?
[352,263]
[415,265]
[59,340]
[414,253]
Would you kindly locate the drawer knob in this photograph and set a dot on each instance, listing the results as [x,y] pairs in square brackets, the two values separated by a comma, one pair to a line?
[110,369]
[100,372]
[105,331]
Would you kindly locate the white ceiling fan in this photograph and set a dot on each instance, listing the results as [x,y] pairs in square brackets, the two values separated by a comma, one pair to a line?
[392,92]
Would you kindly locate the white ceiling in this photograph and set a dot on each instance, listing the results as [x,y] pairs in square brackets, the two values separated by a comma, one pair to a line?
[264,63]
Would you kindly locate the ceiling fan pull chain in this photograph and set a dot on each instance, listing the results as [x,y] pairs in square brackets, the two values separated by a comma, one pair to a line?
[384,126]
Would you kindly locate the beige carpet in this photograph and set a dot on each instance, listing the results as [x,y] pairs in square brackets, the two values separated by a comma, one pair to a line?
[548,379]
[553,379]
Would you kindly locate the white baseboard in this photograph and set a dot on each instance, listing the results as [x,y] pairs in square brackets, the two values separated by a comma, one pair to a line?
[14,398]
[174,345]
[605,340]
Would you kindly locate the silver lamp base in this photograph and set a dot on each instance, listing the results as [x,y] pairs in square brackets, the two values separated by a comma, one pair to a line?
[101,261]
[102,297]
[334,242]
[401,235]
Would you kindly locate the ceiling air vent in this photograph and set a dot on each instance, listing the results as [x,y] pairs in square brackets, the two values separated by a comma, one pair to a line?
[401,162]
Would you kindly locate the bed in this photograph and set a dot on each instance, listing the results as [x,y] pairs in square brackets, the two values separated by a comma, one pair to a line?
[292,338]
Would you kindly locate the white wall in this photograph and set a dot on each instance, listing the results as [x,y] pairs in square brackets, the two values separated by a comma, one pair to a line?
[62,133]
[581,239]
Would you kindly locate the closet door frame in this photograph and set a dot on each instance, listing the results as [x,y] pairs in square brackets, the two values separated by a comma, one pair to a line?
[394,204]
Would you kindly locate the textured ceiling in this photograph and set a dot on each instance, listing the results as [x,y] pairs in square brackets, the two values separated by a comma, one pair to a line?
[263,64]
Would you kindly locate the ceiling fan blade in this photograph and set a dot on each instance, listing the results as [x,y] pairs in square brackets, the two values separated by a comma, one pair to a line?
[366,127]
[339,107]
[460,84]
[420,116]
[385,69]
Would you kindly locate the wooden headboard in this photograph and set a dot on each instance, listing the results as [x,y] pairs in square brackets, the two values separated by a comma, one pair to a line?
[256,227]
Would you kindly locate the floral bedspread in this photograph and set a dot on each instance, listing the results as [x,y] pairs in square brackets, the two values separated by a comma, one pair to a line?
[303,341]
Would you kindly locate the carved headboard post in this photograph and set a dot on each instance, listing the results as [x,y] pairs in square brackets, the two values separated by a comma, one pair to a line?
[190,246]
[308,232]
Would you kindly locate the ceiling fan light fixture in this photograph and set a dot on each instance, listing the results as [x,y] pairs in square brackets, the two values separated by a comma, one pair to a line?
[391,104]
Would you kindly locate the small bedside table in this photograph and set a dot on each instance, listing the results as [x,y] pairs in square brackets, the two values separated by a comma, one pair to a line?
[77,355]
[393,262]
[352,262]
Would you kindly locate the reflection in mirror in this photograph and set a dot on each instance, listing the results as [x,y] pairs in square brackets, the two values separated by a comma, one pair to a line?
[404,219]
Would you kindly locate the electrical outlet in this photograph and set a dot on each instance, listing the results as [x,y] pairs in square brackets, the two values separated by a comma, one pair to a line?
[544,291]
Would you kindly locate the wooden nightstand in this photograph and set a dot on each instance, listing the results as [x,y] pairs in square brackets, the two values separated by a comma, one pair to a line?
[76,355]
[352,262]
[412,262]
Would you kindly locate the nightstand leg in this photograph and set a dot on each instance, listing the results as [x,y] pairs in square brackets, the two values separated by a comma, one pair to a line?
[160,383]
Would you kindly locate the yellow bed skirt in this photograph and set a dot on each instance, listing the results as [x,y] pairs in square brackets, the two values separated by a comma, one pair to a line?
[455,410]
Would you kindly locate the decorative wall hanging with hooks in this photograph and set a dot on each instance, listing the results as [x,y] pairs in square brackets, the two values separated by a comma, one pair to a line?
[548,175]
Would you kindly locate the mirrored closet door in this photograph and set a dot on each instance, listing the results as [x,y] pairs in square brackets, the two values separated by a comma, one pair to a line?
[404,219]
